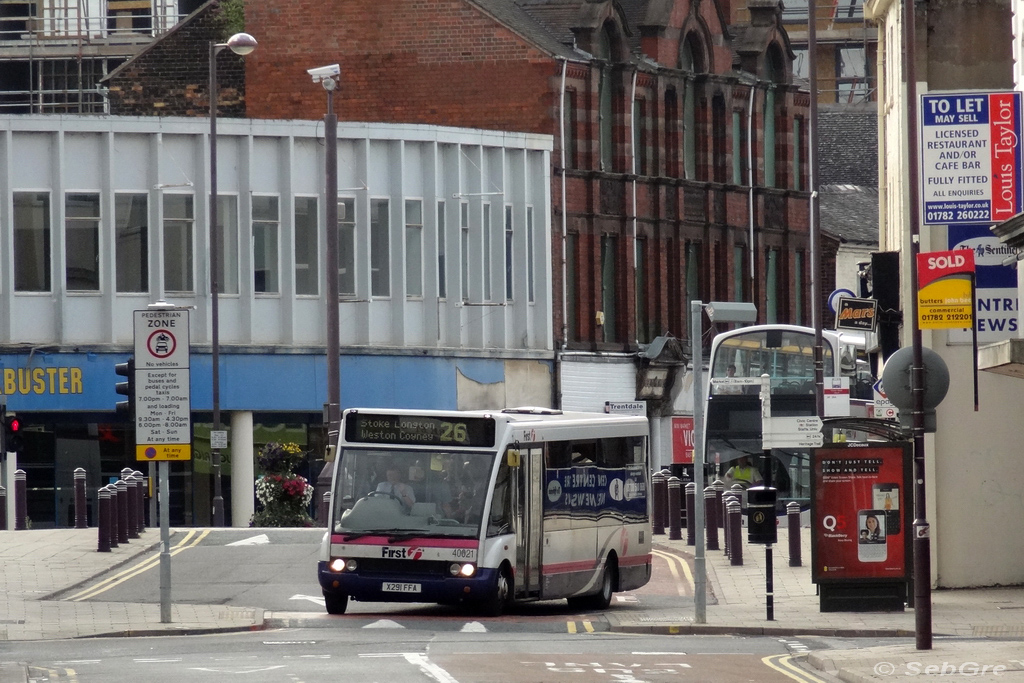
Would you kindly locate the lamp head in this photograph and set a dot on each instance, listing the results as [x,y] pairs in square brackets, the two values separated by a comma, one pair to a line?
[731,311]
[241,43]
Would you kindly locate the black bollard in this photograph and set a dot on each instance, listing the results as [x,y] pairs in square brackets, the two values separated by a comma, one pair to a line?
[719,487]
[132,508]
[675,532]
[659,485]
[690,512]
[103,523]
[710,517]
[735,515]
[20,501]
[727,538]
[3,509]
[122,511]
[140,501]
[112,517]
[81,513]
[793,517]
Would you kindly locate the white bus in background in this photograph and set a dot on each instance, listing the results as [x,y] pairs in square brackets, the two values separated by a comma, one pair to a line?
[732,412]
[514,505]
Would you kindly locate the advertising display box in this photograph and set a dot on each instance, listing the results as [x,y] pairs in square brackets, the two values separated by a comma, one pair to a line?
[861,516]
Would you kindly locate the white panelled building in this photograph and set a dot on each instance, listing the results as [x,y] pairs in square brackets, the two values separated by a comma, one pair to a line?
[444,274]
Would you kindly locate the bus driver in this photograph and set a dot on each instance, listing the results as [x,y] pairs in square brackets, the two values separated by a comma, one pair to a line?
[397,488]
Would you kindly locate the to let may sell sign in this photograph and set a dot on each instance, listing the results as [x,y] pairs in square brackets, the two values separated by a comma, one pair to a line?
[945,296]
[970,157]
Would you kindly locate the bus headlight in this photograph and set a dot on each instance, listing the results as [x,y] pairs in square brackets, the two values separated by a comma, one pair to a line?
[351,566]
[464,570]
[337,565]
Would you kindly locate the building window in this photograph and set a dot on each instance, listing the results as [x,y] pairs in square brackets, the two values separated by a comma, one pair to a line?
[442,237]
[529,254]
[609,245]
[306,246]
[851,74]
[569,130]
[82,241]
[413,248]
[643,333]
[798,287]
[178,250]
[464,247]
[31,242]
[689,132]
[769,137]
[671,134]
[487,251]
[508,252]
[572,330]
[719,140]
[347,247]
[692,277]
[227,228]
[772,287]
[639,138]
[739,149]
[380,248]
[606,98]
[131,242]
[798,147]
[739,271]
[266,223]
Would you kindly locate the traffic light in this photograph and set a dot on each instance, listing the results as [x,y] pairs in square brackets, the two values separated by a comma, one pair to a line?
[126,408]
[12,433]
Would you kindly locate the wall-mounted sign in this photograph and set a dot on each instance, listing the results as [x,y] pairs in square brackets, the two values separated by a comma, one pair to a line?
[859,512]
[970,157]
[856,314]
[945,289]
[995,283]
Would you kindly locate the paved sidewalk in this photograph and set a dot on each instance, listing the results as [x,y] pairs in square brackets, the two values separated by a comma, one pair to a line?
[37,567]
[972,628]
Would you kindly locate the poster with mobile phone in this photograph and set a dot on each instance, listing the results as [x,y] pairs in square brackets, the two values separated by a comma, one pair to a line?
[858,506]
[887,498]
[871,545]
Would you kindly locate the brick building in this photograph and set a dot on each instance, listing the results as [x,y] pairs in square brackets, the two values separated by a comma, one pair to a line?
[680,163]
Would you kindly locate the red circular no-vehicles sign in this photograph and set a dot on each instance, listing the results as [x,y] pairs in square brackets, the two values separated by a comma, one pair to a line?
[161,344]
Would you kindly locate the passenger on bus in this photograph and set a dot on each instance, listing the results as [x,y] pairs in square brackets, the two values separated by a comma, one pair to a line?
[397,488]
[730,372]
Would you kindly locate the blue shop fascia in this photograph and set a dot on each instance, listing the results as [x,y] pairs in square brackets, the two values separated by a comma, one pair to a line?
[66,401]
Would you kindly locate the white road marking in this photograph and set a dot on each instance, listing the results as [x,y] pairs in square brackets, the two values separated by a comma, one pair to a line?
[241,671]
[429,668]
[473,627]
[384,623]
[262,539]
[312,598]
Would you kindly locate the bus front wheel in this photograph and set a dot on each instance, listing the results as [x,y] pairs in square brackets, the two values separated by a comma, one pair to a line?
[335,603]
[498,601]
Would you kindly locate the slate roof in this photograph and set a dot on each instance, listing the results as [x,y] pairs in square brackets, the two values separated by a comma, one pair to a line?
[848,145]
[546,23]
[849,213]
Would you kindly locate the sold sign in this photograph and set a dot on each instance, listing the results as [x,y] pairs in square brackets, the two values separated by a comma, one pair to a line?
[945,289]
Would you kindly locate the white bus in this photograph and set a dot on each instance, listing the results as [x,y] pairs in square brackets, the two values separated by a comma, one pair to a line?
[487,507]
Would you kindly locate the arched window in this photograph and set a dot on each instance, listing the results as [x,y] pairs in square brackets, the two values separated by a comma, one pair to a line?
[691,59]
[775,73]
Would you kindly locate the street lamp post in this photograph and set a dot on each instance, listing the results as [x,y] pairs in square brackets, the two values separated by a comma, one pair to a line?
[241,44]
[723,312]
[326,75]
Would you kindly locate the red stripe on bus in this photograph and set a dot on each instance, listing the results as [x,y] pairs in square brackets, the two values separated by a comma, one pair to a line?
[590,565]
[415,542]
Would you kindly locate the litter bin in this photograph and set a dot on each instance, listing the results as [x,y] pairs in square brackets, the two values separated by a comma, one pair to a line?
[761,527]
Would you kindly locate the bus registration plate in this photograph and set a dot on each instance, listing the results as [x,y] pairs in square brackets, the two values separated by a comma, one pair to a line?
[392,587]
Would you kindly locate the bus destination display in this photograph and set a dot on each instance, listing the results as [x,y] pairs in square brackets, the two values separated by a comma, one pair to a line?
[419,430]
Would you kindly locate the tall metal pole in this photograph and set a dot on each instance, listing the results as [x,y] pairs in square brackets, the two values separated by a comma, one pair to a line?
[815,213]
[922,541]
[331,190]
[700,595]
[165,543]
[218,498]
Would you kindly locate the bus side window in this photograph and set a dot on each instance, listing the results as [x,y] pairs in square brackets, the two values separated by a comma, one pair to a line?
[613,453]
[584,453]
[557,455]
[499,520]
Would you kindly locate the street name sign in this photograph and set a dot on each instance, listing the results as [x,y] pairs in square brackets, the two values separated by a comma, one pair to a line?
[163,412]
[791,432]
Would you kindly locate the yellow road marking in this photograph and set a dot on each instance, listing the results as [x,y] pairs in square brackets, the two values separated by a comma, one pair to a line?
[150,563]
[589,626]
[672,560]
[782,664]
[572,626]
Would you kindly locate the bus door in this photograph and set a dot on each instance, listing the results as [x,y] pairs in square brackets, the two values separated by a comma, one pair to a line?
[529,513]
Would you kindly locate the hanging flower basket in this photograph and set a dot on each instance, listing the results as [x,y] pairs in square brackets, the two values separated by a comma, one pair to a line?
[283,497]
